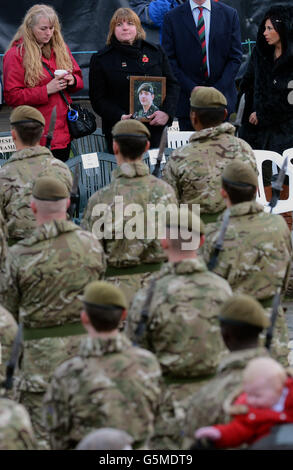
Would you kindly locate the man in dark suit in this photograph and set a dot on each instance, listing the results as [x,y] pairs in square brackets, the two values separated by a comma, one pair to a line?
[203,42]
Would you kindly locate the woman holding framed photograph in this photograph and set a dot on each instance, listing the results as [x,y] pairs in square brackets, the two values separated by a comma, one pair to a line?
[127,54]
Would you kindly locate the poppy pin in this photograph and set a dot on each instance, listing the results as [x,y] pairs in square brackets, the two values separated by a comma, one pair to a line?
[145,58]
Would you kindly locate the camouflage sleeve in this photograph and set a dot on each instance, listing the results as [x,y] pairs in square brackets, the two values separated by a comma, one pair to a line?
[3,241]
[249,154]
[56,416]
[9,293]
[86,222]
[8,330]
[169,175]
[15,427]
[61,170]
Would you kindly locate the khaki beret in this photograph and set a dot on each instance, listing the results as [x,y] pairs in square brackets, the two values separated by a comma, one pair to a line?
[186,219]
[23,114]
[130,128]
[207,97]
[47,188]
[104,293]
[240,173]
[243,309]
[146,87]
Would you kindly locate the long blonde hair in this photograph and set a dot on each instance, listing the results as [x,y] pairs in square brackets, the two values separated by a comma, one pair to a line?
[125,14]
[30,49]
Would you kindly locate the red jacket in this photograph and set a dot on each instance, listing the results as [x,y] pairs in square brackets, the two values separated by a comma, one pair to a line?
[255,423]
[16,93]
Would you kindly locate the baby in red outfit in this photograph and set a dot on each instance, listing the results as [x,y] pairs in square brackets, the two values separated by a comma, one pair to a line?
[266,401]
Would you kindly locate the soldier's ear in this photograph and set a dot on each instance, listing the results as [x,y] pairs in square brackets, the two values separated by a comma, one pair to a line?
[148,144]
[33,206]
[115,147]
[84,318]
[68,203]
[224,193]
[124,315]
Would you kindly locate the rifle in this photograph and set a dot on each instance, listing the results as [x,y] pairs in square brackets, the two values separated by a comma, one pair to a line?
[269,335]
[15,353]
[51,128]
[163,144]
[145,311]
[277,185]
[219,243]
[74,195]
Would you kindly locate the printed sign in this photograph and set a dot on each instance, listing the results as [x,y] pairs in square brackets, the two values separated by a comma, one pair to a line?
[7,144]
[90,160]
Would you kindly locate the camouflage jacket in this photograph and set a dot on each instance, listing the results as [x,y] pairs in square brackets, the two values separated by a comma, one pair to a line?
[256,253]
[194,170]
[48,271]
[109,384]
[136,186]
[182,327]
[16,431]
[8,331]
[17,177]
[3,242]
[206,405]
[145,114]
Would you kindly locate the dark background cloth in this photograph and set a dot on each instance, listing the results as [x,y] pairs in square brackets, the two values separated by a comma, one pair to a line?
[85,24]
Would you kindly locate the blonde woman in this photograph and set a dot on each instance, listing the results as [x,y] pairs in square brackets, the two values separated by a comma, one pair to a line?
[39,41]
[128,53]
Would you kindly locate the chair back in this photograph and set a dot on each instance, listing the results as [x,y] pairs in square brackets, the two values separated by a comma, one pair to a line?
[178,139]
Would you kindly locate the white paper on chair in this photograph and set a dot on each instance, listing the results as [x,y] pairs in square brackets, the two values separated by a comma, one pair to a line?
[7,144]
[153,155]
[90,160]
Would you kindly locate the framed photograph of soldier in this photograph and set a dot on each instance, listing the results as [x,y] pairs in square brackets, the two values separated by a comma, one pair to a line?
[146,95]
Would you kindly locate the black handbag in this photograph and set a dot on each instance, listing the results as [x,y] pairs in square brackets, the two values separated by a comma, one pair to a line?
[80,120]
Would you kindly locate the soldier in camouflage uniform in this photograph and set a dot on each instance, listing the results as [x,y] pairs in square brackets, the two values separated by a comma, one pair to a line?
[47,272]
[8,331]
[257,250]
[146,97]
[17,175]
[181,328]
[242,319]
[195,169]
[110,383]
[16,431]
[129,259]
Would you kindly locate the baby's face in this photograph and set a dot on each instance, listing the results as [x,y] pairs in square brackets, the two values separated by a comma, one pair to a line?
[262,393]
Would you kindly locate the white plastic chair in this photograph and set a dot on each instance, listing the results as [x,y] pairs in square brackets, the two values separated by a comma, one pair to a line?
[285,205]
[178,139]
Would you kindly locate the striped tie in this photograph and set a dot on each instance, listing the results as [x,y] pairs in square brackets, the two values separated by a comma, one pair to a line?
[202,38]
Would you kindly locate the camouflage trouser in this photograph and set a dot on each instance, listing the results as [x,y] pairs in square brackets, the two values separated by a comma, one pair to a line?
[279,347]
[33,402]
[170,422]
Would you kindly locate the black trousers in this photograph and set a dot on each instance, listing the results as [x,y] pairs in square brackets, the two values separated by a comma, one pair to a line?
[62,154]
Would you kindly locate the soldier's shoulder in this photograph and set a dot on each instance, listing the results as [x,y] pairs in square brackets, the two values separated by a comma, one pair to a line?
[144,356]
[71,367]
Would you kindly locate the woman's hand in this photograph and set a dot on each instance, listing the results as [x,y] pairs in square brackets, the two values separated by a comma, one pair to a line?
[158,118]
[253,119]
[70,79]
[125,116]
[56,85]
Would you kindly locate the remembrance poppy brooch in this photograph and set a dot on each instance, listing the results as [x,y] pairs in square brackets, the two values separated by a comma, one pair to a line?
[145,58]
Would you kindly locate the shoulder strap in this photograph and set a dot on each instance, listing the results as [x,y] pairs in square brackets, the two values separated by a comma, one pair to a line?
[52,75]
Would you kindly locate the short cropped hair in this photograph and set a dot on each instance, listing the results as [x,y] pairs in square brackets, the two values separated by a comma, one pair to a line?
[209,117]
[30,133]
[131,147]
[104,317]
[239,194]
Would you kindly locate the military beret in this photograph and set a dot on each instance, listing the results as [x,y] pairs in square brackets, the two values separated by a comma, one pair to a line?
[23,114]
[104,293]
[186,219]
[240,174]
[130,128]
[47,188]
[243,309]
[146,87]
[207,97]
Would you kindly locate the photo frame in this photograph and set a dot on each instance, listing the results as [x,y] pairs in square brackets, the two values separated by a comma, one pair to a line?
[146,96]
